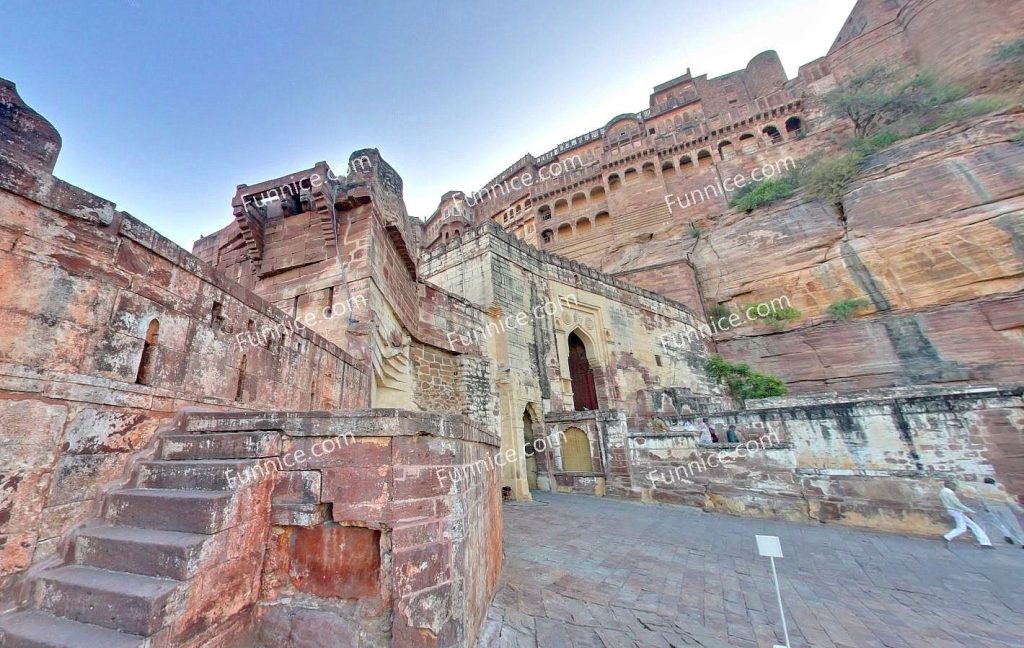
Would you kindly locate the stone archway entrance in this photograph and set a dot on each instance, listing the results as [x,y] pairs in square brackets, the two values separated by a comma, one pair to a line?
[584,391]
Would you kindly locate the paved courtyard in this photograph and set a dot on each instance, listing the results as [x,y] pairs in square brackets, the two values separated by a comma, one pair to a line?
[586,572]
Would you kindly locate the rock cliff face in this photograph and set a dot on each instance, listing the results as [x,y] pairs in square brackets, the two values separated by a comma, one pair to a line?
[930,236]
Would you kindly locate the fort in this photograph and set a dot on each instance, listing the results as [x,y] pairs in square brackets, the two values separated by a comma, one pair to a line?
[568,324]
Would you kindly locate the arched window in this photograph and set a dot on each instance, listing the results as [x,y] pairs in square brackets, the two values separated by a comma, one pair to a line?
[629,176]
[648,170]
[561,206]
[772,134]
[724,150]
[704,158]
[217,315]
[613,182]
[794,126]
[596,194]
[547,235]
[685,165]
[564,230]
[602,219]
[241,377]
[545,212]
[147,363]
[576,455]
[579,200]
[747,143]
[668,169]
[582,225]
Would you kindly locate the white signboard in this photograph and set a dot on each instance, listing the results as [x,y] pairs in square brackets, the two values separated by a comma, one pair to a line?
[769,546]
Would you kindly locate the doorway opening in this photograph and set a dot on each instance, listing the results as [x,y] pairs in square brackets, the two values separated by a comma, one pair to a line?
[584,391]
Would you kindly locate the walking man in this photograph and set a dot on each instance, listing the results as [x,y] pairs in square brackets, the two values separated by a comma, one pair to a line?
[957,511]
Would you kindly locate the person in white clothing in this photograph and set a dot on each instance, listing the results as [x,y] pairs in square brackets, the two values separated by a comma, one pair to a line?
[957,510]
[705,432]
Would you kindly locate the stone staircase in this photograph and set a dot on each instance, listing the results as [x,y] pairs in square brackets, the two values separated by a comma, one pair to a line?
[174,559]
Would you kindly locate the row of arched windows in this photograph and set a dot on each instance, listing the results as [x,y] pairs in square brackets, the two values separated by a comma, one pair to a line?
[746,143]
[583,225]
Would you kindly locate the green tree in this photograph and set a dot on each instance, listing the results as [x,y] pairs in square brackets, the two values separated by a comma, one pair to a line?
[744,382]
[879,95]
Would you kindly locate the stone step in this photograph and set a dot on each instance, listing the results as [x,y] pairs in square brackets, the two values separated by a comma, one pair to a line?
[204,474]
[117,600]
[189,511]
[36,629]
[225,445]
[149,552]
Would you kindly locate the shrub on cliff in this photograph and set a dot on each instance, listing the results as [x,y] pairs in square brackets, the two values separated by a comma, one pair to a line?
[844,309]
[874,143]
[763,193]
[1014,53]
[744,382]
[719,311]
[829,178]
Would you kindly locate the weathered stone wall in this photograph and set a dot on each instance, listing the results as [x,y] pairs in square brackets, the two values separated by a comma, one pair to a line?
[956,39]
[390,538]
[363,292]
[436,380]
[873,459]
[80,285]
[535,300]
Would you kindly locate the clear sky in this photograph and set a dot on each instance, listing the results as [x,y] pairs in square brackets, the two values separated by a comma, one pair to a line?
[164,107]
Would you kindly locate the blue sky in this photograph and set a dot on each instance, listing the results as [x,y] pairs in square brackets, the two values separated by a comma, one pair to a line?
[164,107]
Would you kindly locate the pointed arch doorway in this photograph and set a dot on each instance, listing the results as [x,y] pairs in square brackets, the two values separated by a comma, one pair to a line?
[581,375]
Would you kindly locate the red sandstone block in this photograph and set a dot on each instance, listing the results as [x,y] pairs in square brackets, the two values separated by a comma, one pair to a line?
[217,594]
[339,451]
[315,628]
[297,487]
[420,481]
[422,567]
[424,451]
[341,562]
[411,535]
[423,619]
[362,486]
[406,510]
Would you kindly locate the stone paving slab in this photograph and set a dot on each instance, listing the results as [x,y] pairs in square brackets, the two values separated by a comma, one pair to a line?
[588,572]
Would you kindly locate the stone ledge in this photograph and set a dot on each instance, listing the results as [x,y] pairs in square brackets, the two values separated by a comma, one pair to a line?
[360,423]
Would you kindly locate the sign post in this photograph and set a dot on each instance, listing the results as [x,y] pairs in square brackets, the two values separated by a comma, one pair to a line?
[770,547]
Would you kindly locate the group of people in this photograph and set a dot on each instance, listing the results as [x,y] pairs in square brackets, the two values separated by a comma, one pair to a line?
[996,512]
[706,432]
